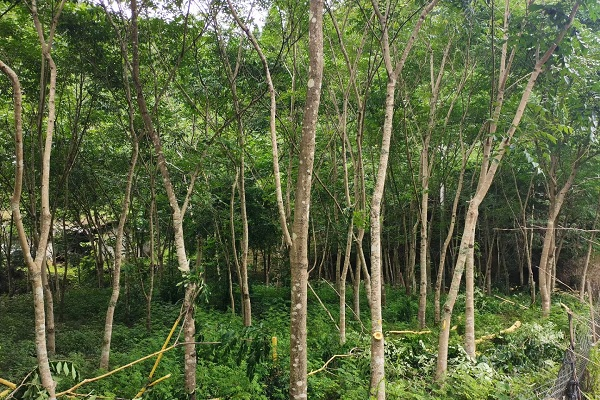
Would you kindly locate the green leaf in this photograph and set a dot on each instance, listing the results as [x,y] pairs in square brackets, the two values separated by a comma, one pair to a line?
[66,369]
[59,366]
[73,372]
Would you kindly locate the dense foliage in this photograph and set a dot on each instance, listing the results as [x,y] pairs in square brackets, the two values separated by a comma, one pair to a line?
[169,134]
[238,363]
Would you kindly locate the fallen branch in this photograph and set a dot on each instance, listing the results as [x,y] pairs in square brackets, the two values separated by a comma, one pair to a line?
[114,371]
[513,328]
[409,332]
[165,344]
[511,302]
[324,367]
[8,384]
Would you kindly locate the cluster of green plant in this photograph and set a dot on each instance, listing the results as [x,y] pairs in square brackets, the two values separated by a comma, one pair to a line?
[247,363]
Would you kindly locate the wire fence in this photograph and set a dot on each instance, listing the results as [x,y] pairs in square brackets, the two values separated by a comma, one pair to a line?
[568,383]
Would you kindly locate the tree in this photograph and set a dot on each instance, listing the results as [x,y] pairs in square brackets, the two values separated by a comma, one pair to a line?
[299,245]
[393,72]
[119,248]
[192,282]
[489,165]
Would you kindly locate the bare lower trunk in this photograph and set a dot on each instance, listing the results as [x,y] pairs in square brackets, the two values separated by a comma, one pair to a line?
[342,283]
[547,259]
[586,264]
[412,259]
[470,304]
[423,255]
[377,387]
[356,288]
[49,306]
[189,329]
[467,243]
[364,270]
[299,243]
[377,339]
[440,275]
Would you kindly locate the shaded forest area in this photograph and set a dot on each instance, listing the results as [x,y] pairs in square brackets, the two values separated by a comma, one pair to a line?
[311,175]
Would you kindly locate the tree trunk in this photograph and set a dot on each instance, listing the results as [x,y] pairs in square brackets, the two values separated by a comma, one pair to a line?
[489,166]
[377,387]
[35,266]
[439,282]
[466,244]
[423,243]
[547,259]
[49,306]
[470,303]
[356,286]
[588,255]
[342,283]
[299,244]
[152,266]
[178,212]
[116,284]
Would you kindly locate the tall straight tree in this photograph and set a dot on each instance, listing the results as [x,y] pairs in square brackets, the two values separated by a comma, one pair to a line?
[116,284]
[299,247]
[427,161]
[491,158]
[189,325]
[393,72]
[358,180]
[297,241]
[241,261]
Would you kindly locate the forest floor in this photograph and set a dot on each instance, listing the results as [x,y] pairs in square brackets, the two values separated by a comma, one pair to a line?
[241,363]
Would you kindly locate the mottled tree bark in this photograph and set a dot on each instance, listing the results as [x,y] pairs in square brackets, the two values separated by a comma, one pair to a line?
[299,245]
[393,72]
[35,265]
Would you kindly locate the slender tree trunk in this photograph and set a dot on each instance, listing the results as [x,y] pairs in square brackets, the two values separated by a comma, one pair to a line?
[489,167]
[342,283]
[35,266]
[153,265]
[393,72]
[588,255]
[464,252]
[356,286]
[425,172]
[547,257]
[423,244]
[443,252]
[470,303]
[116,284]
[188,307]
[413,255]
[299,244]
[49,305]
[272,124]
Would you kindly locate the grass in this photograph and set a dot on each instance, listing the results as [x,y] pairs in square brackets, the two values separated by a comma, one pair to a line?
[236,362]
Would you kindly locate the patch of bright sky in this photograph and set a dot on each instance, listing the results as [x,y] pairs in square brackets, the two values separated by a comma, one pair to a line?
[254,14]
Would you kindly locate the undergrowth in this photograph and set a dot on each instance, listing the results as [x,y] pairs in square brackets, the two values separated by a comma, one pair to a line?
[242,363]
